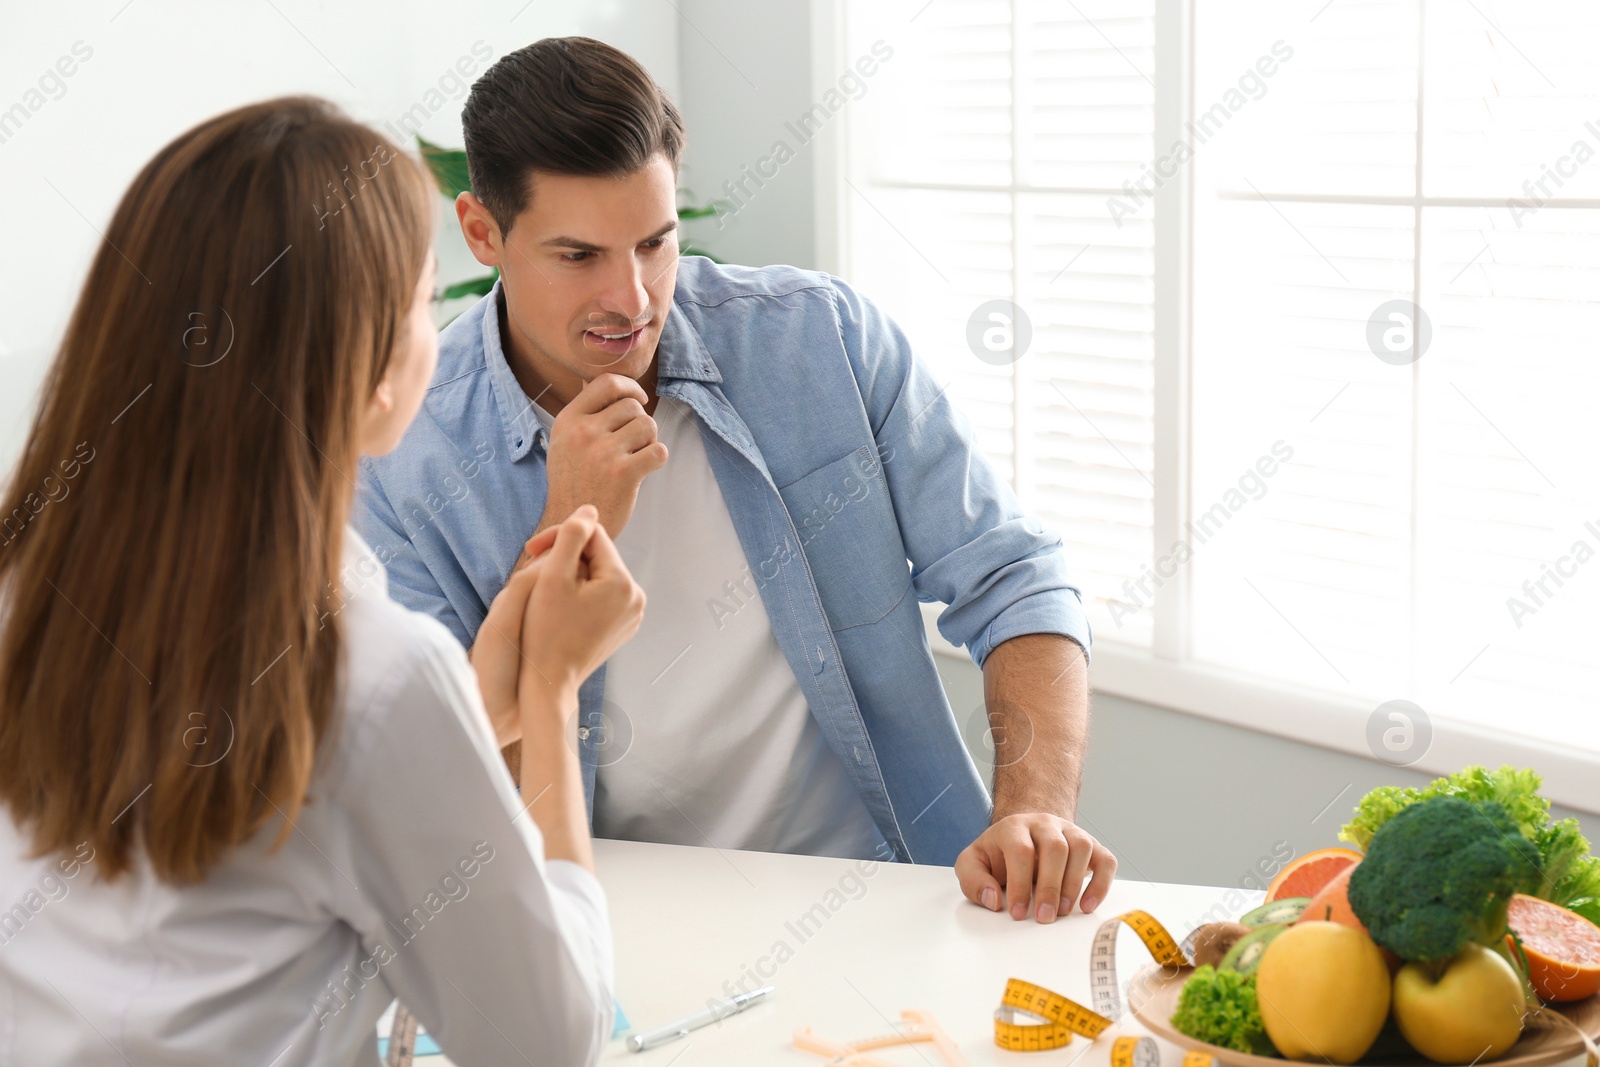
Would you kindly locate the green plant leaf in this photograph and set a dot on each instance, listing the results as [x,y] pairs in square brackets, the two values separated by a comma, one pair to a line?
[470,287]
[449,167]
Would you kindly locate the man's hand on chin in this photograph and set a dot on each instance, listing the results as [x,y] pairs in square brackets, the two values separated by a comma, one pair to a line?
[1035,862]
[602,447]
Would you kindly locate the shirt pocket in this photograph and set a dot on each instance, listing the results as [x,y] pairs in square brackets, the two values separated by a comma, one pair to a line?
[850,537]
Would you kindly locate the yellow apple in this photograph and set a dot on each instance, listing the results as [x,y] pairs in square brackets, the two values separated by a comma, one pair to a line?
[1324,992]
[1472,1012]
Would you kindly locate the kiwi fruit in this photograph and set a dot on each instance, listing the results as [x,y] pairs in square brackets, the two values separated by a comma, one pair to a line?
[1245,955]
[1286,910]
[1213,940]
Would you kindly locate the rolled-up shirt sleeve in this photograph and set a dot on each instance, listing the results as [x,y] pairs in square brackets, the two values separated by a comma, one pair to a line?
[971,546]
[504,956]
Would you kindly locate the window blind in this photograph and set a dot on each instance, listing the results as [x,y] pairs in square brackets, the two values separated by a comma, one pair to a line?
[978,170]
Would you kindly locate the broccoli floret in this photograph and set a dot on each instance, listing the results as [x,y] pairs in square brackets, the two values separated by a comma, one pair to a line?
[1441,873]
[1221,1007]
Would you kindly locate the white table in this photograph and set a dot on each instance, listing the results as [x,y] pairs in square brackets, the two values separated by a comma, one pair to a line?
[689,919]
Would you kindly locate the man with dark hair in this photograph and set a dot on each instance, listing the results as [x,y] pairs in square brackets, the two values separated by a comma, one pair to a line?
[785,480]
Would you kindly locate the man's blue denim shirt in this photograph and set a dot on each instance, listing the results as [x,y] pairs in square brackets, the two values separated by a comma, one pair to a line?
[856,488]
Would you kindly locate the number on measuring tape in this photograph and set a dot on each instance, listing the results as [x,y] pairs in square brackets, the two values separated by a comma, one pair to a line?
[1103,984]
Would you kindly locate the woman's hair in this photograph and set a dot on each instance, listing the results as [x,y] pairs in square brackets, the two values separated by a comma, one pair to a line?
[170,541]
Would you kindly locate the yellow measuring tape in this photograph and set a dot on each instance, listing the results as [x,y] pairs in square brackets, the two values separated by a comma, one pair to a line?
[1061,1018]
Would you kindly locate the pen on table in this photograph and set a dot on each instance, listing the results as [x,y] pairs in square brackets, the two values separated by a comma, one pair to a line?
[715,1013]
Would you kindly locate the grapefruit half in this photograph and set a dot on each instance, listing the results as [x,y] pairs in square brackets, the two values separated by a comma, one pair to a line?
[1306,876]
[1563,948]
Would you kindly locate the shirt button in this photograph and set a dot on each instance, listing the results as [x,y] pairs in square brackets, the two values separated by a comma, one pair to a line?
[583,733]
[860,757]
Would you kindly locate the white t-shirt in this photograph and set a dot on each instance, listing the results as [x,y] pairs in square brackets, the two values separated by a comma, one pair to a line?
[708,738]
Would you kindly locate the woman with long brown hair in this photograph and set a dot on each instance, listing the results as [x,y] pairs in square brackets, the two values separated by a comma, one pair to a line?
[251,799]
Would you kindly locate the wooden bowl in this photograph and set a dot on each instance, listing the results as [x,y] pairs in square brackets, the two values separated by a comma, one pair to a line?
[1153,997]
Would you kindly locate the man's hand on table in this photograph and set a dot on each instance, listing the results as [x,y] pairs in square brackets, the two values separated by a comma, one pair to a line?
[1039,857]
[1031,860]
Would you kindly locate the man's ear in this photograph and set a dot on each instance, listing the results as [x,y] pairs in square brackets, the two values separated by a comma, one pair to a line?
[478,227]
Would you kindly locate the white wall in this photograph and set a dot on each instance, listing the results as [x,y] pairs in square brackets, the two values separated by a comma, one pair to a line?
[745,72]
[156,67]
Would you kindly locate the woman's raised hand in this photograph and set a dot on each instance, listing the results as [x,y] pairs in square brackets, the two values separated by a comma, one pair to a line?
[583,606]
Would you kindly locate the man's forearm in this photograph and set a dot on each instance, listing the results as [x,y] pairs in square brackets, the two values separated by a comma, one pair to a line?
[1036,688]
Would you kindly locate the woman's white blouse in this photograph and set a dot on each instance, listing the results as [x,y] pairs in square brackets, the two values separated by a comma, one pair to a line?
[411,872]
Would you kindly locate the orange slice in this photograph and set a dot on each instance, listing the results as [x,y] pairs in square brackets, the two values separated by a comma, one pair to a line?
[1563,948]
[1306,876]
